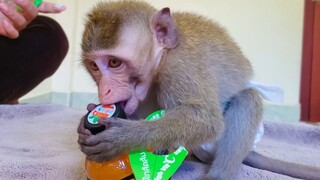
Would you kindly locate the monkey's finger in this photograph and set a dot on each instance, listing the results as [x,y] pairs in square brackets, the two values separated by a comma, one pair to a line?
[82,138]
[105,122]
[96,158]
[81,129]
[91,106]
[84,131]
[95,139]
[118,122]
[93,150]
[99,157]
[106,153]
[47,7]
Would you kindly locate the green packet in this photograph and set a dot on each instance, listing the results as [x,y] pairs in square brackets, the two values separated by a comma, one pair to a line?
[148,166]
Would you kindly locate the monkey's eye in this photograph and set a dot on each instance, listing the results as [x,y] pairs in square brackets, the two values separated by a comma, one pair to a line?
[93,66]
[114,63]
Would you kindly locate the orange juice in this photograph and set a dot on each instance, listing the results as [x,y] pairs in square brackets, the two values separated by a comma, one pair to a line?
[115,169]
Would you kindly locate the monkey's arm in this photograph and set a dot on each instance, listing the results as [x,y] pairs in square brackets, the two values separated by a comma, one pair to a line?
[187,125]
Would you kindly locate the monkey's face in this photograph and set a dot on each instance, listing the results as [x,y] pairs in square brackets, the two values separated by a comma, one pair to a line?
[123,56]
[124,73]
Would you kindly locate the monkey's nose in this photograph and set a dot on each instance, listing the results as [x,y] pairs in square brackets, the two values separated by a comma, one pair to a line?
[108,92]
[104,96]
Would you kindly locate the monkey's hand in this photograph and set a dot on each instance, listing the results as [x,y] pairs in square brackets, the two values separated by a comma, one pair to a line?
[120,136]
[83,133]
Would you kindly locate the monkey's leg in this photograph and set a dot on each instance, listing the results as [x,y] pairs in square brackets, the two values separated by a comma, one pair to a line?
[242,119]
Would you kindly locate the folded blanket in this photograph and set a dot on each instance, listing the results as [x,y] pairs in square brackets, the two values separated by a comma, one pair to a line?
[39,141]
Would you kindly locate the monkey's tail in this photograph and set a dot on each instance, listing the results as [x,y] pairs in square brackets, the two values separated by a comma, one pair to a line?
[259,161]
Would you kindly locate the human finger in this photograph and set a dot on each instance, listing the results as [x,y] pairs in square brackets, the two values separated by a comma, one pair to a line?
[9,31]
[47,7]
[10,14]
[27,9]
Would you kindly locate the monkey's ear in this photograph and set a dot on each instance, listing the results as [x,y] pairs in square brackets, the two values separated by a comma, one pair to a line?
[164,29]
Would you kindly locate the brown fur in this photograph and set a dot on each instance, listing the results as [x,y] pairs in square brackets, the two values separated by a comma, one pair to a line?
[185,64]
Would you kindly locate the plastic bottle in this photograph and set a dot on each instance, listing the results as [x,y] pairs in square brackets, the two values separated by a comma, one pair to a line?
[116,169]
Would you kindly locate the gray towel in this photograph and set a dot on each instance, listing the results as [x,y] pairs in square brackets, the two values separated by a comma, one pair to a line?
[39,141]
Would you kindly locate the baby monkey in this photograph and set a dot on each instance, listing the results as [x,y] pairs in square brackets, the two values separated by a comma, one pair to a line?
[183,63]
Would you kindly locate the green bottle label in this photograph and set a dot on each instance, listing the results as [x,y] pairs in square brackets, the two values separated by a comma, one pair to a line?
[155,115]
[148,166]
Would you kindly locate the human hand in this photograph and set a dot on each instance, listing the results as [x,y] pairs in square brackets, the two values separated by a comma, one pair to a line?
[12,20]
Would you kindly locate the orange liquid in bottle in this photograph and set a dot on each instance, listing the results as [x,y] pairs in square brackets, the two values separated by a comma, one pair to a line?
[118,168]
[115,169]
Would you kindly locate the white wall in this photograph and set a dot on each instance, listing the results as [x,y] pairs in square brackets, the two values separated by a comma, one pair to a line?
[269,33]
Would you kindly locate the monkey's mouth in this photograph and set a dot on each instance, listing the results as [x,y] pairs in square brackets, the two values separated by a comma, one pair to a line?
[129,105]
[123,104]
